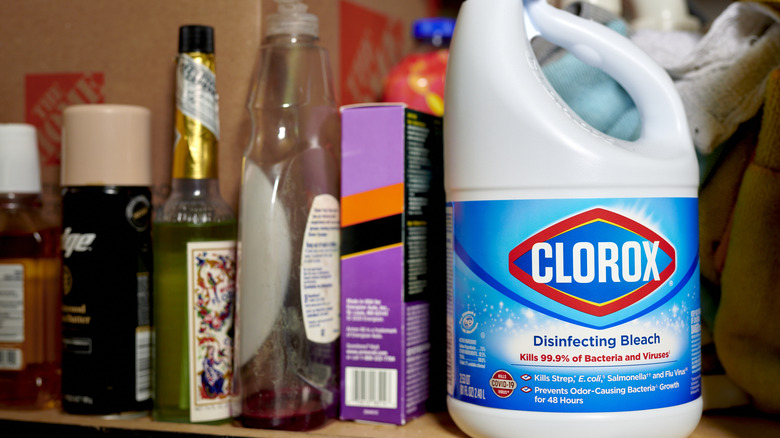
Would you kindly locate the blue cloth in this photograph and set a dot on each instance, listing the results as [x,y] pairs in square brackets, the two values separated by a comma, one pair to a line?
[597,98]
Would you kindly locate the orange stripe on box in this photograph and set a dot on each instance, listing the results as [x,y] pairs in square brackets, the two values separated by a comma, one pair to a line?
[373,204]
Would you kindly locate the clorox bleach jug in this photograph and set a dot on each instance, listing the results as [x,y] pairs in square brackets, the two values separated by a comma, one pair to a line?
[573,280]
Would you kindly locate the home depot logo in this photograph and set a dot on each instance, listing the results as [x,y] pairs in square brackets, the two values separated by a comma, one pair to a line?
[597,262]
[46,95]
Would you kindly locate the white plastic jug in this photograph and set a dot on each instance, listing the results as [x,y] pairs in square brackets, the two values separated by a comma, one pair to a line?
[573,282]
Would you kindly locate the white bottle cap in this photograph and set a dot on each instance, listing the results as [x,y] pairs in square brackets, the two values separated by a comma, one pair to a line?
[614,6]
[106,145]
[291,18]
[20,170]
[664,15]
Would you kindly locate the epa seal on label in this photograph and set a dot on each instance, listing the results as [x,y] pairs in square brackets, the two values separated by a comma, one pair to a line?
[467,322]
[502,383]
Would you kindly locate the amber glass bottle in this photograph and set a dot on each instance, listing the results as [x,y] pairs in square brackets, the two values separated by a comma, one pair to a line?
[30,279]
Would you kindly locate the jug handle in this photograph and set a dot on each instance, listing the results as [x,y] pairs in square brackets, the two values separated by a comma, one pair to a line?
[663,117]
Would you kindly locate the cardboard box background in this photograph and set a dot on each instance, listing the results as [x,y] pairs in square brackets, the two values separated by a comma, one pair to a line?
[62,52]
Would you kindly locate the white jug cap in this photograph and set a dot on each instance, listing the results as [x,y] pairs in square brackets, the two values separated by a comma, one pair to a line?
[20,170]
[106,145]
[664,15]
[614,6]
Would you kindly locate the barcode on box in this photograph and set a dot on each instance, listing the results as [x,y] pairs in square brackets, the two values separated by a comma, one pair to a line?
[371,387]
[11,359]
[143,364]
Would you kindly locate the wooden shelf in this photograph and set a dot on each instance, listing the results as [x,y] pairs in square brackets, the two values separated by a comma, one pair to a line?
[724,424]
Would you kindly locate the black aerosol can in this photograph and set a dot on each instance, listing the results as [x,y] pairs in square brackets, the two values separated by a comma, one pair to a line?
[107,260]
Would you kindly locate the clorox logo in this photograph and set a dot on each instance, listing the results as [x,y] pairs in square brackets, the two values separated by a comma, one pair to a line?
[597,262]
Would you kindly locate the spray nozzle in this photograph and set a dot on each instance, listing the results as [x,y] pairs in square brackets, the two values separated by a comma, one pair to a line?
[291,18]
[291,6]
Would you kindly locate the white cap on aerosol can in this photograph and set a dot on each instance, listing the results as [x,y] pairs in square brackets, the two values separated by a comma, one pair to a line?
[106,145]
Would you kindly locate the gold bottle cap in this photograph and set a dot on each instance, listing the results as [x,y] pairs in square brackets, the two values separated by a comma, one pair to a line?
[106,145]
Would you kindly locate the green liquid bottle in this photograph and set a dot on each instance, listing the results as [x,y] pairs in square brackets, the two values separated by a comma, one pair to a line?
[194,240]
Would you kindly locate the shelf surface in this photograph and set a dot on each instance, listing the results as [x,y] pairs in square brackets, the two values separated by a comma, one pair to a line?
[52,422]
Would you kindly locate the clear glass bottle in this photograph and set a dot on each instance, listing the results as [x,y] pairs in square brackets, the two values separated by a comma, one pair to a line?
[30,279]
[194,239]
[289,233]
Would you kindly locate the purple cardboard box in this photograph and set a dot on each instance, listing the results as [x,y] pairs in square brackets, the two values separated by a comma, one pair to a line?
[392,260]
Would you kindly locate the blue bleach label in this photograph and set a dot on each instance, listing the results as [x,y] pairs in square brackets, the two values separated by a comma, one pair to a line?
[574,305]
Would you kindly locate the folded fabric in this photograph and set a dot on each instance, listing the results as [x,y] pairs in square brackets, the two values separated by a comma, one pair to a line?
[720,77]
[722,81]
[669,48]
[747,327]
[717,198]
